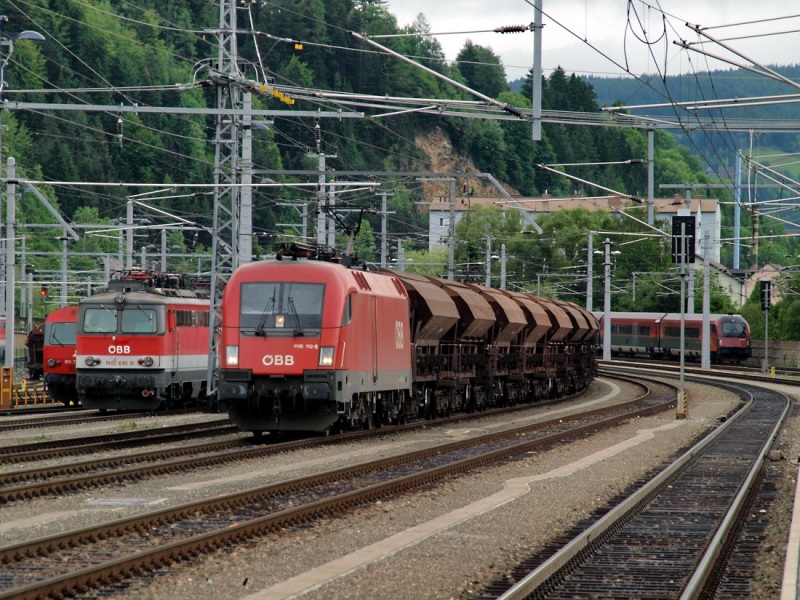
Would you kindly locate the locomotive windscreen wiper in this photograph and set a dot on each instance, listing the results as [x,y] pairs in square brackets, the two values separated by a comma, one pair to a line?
[263,320]
[298,330]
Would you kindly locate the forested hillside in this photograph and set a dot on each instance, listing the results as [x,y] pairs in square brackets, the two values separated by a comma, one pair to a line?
[121,53]
[734,83]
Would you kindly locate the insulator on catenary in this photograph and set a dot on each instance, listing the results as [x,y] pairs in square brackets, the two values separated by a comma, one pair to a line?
[511,29]
[514,111]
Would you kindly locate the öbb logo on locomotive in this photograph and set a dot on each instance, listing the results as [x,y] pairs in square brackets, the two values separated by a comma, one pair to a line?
[277,360]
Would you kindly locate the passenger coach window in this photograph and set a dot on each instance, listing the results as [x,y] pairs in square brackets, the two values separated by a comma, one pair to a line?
[281,306]
[100,320]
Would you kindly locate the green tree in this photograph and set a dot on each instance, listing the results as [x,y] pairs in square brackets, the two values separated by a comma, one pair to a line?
[482,69]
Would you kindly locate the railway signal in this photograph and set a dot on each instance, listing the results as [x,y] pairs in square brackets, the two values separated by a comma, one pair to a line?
[766,289]
[683,247]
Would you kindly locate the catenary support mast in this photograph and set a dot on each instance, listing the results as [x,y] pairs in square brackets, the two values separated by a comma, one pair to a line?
[225,249]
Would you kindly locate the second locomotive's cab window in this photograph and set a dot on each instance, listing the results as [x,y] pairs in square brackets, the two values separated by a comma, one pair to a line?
[130,319]
[138,319]
[100,320]
[280,307]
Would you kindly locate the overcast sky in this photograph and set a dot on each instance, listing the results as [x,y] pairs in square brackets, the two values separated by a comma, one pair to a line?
[620,30]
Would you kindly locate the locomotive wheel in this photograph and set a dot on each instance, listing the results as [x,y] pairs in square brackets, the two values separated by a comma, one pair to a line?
[369,422]
[428,408]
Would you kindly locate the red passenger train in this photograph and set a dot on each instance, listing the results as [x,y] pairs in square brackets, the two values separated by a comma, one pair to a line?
[309,345]
[143,342]
[658,335]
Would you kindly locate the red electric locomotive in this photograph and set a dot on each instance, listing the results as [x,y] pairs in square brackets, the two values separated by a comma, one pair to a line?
[58,355]
[143,342]
[305,345]
[316,346]
[658,335]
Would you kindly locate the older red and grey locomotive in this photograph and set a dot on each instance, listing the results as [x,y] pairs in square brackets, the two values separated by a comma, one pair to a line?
[143,342]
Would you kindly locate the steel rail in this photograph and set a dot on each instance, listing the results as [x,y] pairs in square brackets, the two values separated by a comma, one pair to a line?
[538,579]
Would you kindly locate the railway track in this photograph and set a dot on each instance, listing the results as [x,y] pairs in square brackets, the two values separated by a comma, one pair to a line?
[733,370]
[61,564]
[672,536]
[52,449]
[79,416]
[60,479]
[34,482]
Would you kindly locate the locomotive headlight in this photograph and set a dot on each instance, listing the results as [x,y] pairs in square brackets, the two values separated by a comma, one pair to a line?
[280,320]
[232,356]
[51,362]
[326,356]
[119,298]
[91,361]
[147,361]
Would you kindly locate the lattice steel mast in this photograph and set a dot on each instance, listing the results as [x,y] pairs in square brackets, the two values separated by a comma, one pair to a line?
[225,247]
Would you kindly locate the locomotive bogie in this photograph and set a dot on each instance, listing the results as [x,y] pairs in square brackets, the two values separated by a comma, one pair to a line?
[328,399]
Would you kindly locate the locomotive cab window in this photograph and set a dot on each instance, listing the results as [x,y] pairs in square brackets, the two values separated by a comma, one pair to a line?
[733,329]
[131,319]
[138,319]
[99,319]
[281,308]
[61,334]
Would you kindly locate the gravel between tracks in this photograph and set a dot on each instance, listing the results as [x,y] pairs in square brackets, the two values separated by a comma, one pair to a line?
[455,562]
